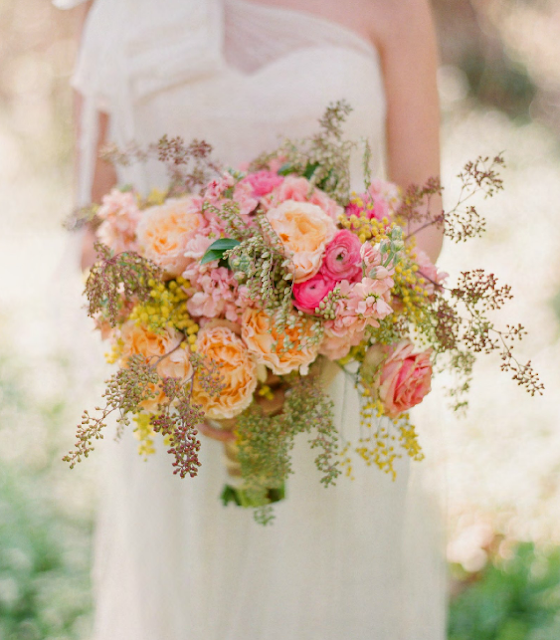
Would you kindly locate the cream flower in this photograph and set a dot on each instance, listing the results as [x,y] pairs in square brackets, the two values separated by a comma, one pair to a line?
[260,336]
[164,232]
[138,339]
[305,230]
[238,369]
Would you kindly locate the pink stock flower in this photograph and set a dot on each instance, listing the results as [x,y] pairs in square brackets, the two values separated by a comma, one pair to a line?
[213,293]
[405,377]
[371,259]
[263,182]
[369,299]
[216,188]
[342,259]
[120,216]
[309,294]
[428,271]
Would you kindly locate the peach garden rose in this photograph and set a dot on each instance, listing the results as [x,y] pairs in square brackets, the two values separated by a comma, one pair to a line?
[237,367]
[164,232]
[138,339]
[260,335]
[305,230]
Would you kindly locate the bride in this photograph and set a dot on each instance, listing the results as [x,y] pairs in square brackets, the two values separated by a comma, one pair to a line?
[361,560]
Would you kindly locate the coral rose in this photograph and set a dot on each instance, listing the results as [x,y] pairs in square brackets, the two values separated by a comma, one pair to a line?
[165,230]
[238,369]
[138,339]
[342,257]
[305,230]
[405,377]
[308,295]
[260,336]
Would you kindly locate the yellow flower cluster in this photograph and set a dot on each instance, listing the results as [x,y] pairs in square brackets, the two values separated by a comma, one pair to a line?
[154,199]
[145,434]
[366,229]
[266,392]
[114,355]
[408,288]
[167,309]
[408,285]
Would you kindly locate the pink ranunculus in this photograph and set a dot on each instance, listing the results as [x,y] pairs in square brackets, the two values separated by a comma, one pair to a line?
[309,294]
[263,182]
[405,378]
[428,271]
[342,260]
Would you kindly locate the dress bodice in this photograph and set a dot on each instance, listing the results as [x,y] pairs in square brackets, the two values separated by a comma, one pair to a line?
[278,70]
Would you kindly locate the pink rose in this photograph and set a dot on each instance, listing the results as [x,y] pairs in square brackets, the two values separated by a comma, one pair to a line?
[342,259]
[263,182]
[301,190]
[309,294]
[245,197]
[405,378]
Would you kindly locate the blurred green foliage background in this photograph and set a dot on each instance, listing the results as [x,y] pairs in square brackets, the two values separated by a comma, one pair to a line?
[500,91]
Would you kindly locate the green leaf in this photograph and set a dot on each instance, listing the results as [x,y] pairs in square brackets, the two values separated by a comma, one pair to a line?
[285,170]
[223,244]
[210,256]
[217,249]
[310,170]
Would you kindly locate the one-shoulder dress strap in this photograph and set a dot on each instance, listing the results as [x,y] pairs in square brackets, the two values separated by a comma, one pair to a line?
[133,48]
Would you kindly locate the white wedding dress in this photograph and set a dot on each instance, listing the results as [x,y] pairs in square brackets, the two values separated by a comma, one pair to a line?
[362,560]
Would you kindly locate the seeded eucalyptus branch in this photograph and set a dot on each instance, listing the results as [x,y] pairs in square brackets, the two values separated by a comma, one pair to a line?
[114,279]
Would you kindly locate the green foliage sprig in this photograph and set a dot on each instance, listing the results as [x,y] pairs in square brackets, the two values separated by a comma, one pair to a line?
[114,279]
[265,442]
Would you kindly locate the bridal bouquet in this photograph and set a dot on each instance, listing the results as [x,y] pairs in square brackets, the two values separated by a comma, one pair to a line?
[224,296]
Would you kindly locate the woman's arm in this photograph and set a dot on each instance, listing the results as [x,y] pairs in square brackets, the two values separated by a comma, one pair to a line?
[405,36]
[104,177]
